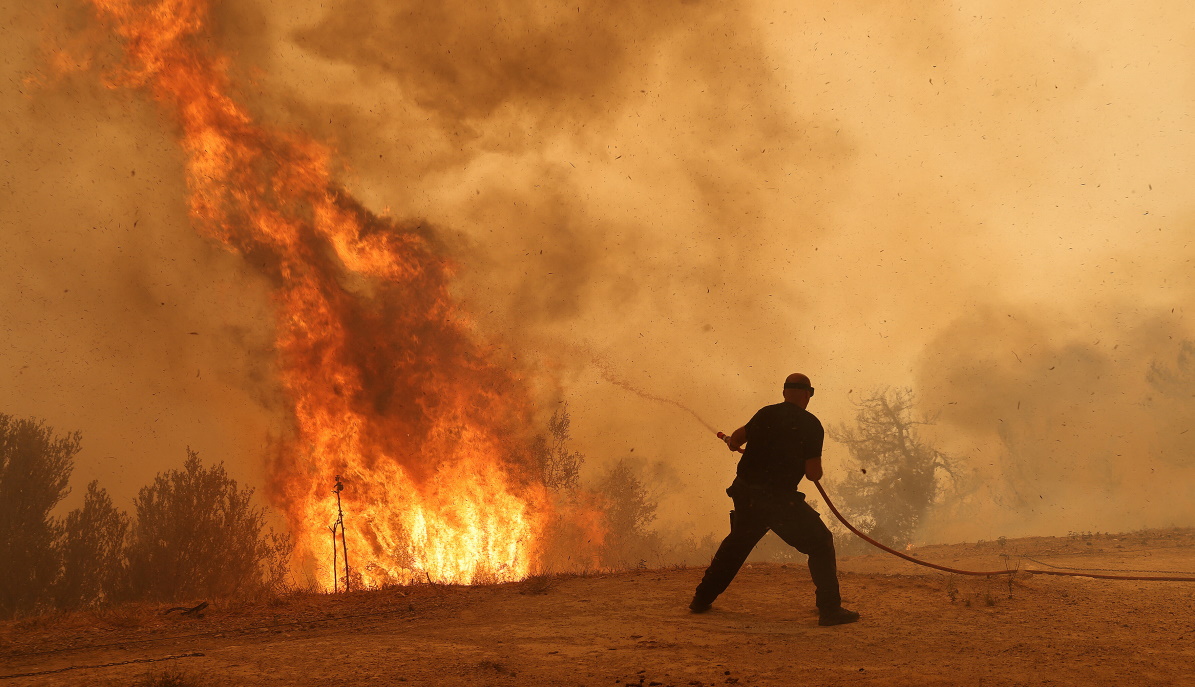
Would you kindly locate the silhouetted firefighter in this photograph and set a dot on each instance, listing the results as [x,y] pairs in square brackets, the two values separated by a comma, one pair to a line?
[784,444]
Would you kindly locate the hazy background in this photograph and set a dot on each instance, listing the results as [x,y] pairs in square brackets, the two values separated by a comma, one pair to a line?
[983,201]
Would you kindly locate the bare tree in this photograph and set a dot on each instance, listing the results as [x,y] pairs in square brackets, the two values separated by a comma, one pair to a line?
[34,468]
[559,467]
[897,475]
[1178,379]
[1171,405]
[197,533]
[92,552]
[573,535]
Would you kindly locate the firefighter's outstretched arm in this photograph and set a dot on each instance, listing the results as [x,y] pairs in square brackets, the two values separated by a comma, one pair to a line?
[737,438]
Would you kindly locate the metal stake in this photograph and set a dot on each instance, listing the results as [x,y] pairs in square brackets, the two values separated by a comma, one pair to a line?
[343,538]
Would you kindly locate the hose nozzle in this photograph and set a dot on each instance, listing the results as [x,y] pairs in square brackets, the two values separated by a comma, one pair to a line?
[726,438]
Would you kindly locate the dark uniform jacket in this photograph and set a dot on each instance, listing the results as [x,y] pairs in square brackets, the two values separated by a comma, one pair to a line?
[780,438]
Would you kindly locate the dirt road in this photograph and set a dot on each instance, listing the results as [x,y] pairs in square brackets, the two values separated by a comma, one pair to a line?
[919,628]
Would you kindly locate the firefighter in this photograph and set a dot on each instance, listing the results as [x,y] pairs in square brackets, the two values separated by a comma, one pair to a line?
[783,444]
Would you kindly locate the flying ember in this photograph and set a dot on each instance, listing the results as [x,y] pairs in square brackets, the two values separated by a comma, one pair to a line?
[384,383]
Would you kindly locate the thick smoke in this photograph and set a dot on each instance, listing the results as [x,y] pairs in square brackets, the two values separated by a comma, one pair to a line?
[1079,426]
[118,320]
[706,195]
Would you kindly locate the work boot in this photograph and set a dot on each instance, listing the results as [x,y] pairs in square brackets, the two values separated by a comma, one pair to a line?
[837,616]
[699,604]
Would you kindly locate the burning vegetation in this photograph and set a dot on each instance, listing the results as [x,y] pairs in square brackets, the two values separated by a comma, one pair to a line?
[196,533]
[385,385]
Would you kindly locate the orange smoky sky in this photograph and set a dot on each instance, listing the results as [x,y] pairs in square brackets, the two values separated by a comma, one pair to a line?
[983,201]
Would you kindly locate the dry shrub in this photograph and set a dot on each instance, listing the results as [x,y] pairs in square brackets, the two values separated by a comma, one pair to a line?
[629,508]
[37,621]
[124,616]
[539,584]
[91,552]
[35,465]
[197,534]
[171,676]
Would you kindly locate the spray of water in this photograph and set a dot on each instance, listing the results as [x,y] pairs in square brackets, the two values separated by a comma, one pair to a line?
[608,374]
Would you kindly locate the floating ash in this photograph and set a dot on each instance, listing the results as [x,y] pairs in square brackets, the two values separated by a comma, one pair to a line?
[385,385]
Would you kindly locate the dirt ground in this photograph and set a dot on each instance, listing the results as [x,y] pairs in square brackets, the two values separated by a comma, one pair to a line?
[919,627]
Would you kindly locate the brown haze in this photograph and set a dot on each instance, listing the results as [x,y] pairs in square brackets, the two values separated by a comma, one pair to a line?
[984,202]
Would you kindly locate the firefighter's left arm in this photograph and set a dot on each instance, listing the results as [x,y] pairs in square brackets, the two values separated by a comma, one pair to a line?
[813,469]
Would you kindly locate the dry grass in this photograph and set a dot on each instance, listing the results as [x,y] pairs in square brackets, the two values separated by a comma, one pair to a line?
[123,617]
[170,677]
[38,621]
[494,666]
[539,584]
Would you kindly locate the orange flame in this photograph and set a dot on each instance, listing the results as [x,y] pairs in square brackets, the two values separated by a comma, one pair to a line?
[386,386]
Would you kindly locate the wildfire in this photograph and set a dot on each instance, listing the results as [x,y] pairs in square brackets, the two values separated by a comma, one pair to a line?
[384,382]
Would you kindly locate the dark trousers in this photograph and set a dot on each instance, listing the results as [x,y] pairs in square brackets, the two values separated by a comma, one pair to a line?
[792,520]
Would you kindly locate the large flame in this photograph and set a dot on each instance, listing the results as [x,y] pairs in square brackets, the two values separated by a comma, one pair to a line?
[387,388]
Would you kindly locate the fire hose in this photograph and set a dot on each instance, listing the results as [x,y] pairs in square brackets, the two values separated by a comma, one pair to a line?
[978,573]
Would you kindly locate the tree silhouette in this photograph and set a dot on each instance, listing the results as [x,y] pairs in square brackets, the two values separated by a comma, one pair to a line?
[34,468]
[198,534]
[1177,379]
[1172,405]
[898,475]
[629,509]
[92,552]
[559,467]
